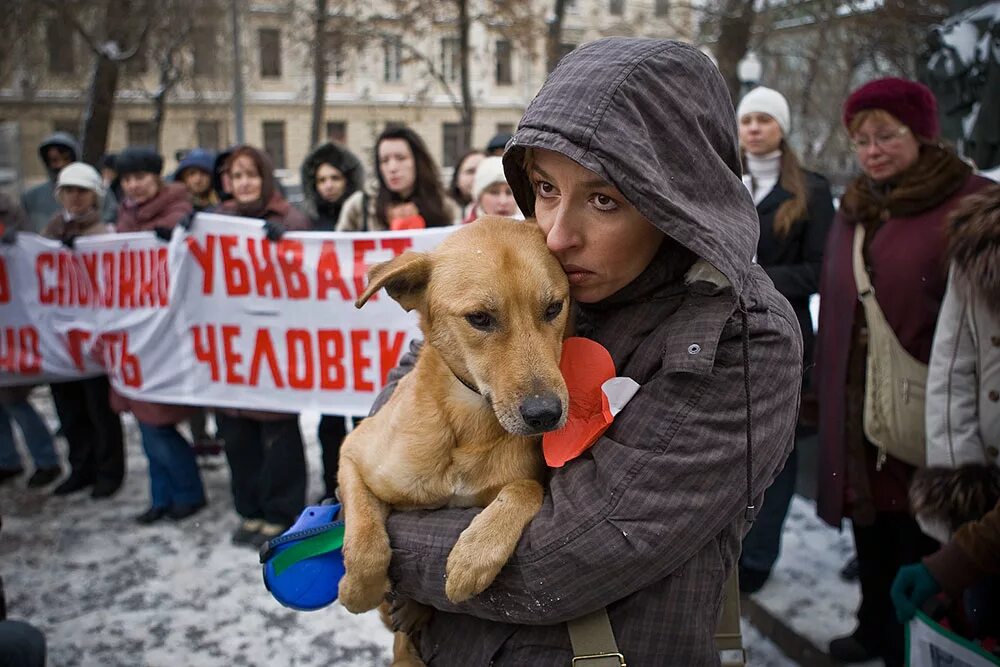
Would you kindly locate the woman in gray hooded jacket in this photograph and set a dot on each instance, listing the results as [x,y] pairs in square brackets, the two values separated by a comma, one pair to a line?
[628,158]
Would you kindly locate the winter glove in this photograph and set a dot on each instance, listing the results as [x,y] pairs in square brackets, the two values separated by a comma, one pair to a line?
[914,585]
[187,221]
[273,231]
[70,240]
[163,233]
[8,235]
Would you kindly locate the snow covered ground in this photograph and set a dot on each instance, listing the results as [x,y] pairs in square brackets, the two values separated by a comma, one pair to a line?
[108,592]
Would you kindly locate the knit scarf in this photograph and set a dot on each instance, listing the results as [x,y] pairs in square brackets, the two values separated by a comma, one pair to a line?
[937,174]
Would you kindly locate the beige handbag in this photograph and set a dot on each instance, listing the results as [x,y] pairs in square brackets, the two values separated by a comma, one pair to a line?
[895,382]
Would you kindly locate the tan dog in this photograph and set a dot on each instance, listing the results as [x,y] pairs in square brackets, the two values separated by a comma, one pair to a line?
[461,429]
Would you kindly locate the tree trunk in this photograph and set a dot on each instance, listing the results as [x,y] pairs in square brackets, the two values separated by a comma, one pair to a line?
[468,106]
[553,38]
[97,111]
[319,73]
[103,84]
[159,113]
[734,39]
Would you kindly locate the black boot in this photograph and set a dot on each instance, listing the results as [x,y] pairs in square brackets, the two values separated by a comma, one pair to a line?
[75,482]
[851,649]
[44,476]
[105,488]
[152,515]
[7,474]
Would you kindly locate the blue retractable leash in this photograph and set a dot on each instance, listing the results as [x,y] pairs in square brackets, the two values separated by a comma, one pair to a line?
[304,565]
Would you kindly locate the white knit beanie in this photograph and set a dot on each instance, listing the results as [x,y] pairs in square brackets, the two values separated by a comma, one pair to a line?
[489,171]
[769,101]
[81,175]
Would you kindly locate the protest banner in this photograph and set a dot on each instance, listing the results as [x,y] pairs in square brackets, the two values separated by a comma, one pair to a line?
[219,316]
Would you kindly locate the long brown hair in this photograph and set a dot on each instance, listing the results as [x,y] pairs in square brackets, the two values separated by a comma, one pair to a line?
[793,180]
[428,194]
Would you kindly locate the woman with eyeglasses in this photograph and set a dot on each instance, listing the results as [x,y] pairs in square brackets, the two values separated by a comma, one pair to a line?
[909,183]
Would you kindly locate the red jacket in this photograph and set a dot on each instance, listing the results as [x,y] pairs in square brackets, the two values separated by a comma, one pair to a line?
[910,273]
[169,205]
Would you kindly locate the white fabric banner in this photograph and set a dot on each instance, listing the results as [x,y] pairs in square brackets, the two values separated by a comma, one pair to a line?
[219,316]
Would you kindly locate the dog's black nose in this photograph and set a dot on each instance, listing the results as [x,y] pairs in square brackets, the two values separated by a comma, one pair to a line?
[542,411]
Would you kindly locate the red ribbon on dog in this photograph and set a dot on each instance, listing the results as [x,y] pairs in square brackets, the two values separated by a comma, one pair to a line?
[595,397]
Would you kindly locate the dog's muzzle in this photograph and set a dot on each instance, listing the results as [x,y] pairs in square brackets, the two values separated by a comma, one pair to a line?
[542,412]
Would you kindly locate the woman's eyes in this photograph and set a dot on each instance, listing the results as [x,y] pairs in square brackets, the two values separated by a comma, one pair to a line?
[544,188]
[604,203]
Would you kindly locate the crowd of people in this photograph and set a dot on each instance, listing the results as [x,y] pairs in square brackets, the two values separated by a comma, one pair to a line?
[915,208]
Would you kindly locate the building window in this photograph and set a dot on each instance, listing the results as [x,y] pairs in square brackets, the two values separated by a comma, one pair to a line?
[336,57]
[270,52]
[336,130]
[274,142]
[59,39]
[451,58]
[140,133]
[138,64]
[616,7]
[208,134]
[205,51]
[452,143]
[661,7]
[392,48]
[393,124]
[504,70]
[67,125]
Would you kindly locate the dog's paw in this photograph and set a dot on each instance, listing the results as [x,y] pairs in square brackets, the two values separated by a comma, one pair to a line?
[360,594]
[472,566]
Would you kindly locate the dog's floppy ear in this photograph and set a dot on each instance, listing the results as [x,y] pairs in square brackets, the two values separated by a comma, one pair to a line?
[404,278]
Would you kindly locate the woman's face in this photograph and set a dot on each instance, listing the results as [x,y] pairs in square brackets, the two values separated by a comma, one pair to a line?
[602,242]
[140,186]
[77,201]
[330,183]
[885,148]
[396,164]
[497,199]
[245,180]
[197,181]
[760,134]
[467,174]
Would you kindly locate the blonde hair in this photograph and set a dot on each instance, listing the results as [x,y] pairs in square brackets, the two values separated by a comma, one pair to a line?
[793,181]
[877,115]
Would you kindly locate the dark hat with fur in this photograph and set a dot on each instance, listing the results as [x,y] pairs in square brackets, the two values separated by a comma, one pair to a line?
[955,495]
[137,159]
[912,103]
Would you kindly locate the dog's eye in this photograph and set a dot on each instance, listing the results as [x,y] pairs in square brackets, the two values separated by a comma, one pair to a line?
[552,312]
[481,320]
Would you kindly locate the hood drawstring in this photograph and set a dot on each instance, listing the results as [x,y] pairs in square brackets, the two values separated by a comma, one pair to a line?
[751,511]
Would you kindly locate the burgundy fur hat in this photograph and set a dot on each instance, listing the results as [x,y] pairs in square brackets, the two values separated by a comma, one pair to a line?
[911,102]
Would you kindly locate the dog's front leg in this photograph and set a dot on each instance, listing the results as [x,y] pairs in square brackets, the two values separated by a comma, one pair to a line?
[366,542]
[487,544]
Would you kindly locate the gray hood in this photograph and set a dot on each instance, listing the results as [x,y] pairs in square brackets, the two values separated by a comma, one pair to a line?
[62,140]
[653,118]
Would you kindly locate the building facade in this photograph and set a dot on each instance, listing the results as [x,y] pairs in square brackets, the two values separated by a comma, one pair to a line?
[395,74]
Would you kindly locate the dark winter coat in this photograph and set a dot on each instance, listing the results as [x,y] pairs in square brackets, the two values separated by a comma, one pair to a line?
[647,522]
[908,267]
[40,202]
[164,210]
[795,261]
[324,214]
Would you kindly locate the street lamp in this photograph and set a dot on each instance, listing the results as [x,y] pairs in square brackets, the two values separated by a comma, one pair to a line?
[749,70]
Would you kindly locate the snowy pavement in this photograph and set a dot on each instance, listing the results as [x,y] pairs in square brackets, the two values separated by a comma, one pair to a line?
[108,592]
